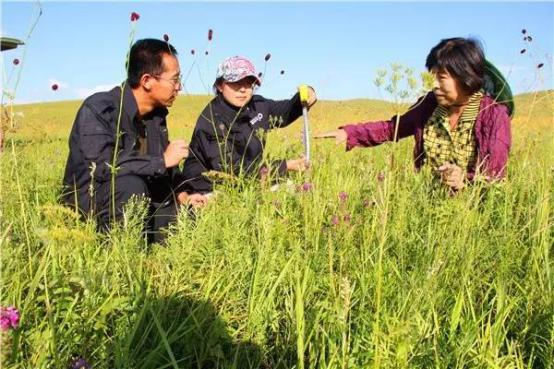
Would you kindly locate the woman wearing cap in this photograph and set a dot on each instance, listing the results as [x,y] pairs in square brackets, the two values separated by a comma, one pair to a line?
[229,136]
[459,129]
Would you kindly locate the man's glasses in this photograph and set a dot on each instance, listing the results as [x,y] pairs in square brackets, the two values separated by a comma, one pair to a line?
[178,80]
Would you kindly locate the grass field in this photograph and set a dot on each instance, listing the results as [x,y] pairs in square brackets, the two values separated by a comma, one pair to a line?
[395,275]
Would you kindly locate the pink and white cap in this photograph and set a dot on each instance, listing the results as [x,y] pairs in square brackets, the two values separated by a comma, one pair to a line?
[235,68]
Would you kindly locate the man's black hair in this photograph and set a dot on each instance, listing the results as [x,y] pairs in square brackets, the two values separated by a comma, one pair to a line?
[146,57]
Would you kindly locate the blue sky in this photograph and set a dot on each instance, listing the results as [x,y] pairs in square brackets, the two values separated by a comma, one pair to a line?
[335,47]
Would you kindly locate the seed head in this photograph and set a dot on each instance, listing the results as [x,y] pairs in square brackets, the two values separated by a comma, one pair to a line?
[210,34]
[166,37]
[55,87]
[267,56]
[16,61]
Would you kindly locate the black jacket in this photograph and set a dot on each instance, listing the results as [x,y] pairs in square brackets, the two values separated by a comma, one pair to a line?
[93,139]
[232,140]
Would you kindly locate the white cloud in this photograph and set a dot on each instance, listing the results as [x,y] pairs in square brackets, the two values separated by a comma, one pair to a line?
[85,92]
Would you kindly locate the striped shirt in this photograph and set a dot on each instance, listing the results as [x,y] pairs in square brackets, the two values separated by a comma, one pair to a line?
[442,145]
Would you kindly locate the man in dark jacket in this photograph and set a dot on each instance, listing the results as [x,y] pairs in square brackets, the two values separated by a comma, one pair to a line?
[119,145]
[229,136]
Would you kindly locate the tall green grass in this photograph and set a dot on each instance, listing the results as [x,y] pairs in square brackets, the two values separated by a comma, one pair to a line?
[410,277]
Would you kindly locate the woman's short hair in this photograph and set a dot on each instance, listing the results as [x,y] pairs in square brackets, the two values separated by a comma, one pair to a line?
[463,58]
[146,57]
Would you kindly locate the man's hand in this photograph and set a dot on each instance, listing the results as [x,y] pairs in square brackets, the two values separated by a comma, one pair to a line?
[176,151]
[298,165]
[196,200]
[452,176]
[339,135]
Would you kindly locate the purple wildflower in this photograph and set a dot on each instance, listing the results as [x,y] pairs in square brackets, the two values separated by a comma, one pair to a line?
[80,363]
[15,61]
[55,87]
[135,16]
[347,218]
[9,318]
[306,187]
[522,51]
[335,220]
[343,196]
[264,171]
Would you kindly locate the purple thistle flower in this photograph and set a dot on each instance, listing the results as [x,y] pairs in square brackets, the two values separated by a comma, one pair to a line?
[55,87]
[335,220]
[307,186]
[264,171]
[347,218]
[15,61]
[166,37]
[9,318]
[135,16]
[343,196]
[80,363]
[267,57]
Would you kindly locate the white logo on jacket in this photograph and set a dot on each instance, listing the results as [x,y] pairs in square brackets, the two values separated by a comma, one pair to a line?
[256,119]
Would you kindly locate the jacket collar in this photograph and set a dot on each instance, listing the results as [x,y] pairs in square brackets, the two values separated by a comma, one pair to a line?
[230,112]
[130,106]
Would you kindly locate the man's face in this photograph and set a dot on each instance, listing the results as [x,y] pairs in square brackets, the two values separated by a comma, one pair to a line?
[237,93]
[166,86]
